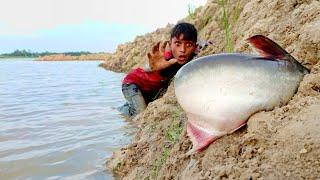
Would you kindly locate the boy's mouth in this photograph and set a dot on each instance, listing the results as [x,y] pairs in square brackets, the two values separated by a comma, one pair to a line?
[182,58]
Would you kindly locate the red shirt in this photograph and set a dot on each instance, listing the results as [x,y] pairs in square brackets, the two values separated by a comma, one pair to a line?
[148,82]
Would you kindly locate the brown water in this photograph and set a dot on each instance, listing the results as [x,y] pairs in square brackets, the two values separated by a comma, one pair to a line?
[58,119]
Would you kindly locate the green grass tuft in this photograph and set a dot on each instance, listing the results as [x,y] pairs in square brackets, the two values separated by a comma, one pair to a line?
[191,11]
[228,20]
[172,135]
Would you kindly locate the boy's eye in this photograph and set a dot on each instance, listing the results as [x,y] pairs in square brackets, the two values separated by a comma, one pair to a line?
[189,45]
[177,43]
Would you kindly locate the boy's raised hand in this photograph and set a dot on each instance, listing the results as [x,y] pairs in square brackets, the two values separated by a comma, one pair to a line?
[156,57]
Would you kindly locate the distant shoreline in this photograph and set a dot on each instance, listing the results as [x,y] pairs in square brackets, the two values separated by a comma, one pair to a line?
[59,58]
[15,57]
[74,58]
[63,57]
[53,56]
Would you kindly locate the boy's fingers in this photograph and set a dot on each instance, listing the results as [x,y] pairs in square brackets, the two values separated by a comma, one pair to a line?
[155,48]
[173,61]
[167,47]
[149,56]
[164,45]
[162,48]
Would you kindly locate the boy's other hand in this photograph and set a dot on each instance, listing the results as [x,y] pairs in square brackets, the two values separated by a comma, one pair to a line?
[156,57]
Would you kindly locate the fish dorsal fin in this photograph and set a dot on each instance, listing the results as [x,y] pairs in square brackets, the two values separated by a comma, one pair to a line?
[271,50]
[268,48]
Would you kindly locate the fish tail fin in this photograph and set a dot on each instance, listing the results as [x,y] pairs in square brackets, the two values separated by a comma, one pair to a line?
[269,49]
[199,137]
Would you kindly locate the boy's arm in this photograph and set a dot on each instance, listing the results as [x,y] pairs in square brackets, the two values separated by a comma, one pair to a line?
[147,68]
[156,58]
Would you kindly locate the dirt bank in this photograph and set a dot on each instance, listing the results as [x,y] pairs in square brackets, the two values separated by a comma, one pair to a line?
[280,144]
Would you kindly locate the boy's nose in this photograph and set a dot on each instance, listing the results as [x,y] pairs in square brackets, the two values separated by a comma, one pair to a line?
[182,48]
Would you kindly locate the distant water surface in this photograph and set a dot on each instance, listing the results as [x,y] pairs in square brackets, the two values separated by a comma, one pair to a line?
[58,119]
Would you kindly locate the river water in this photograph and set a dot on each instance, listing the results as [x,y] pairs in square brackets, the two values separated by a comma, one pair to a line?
[58,119]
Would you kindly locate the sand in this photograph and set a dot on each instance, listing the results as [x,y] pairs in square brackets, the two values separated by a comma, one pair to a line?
[283,143]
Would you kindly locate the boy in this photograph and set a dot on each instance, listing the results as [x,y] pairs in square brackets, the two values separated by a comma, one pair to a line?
[141,86]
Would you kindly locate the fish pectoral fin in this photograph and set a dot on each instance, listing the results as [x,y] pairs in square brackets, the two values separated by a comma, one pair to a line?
[200,137]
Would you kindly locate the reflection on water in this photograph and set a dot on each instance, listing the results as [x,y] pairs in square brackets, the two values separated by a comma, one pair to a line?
[58,119]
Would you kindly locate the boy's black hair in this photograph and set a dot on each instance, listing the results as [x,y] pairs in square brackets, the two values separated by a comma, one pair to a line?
[188,30]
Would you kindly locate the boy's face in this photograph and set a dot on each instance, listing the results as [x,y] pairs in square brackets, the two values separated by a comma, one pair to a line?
[182,49]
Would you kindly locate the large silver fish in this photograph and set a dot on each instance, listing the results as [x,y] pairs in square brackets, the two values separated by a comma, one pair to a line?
[220,92]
